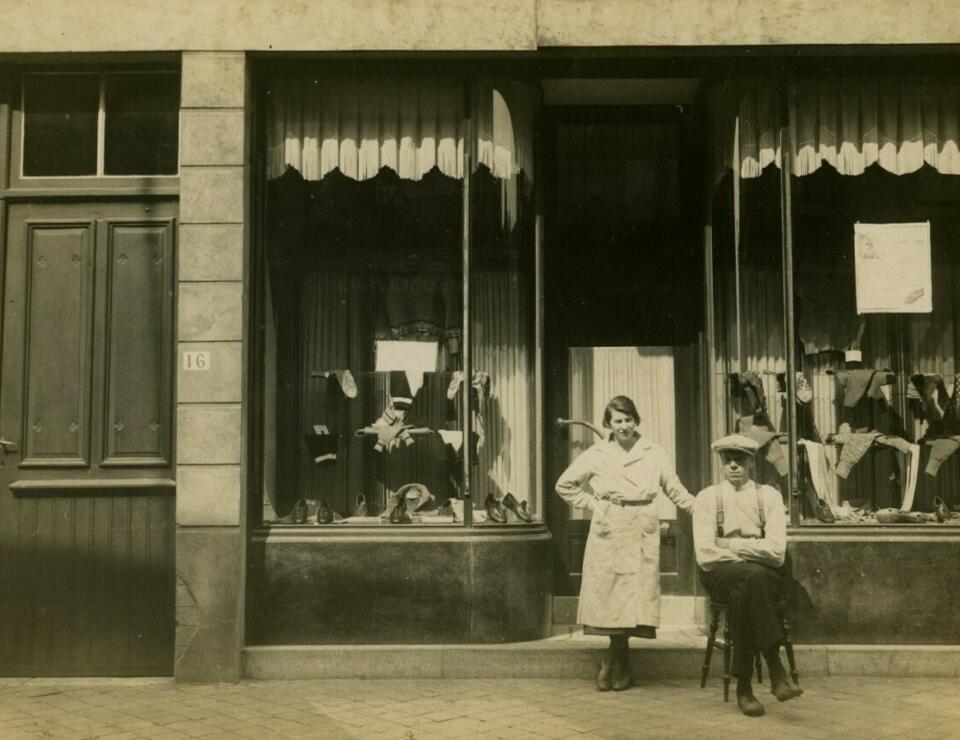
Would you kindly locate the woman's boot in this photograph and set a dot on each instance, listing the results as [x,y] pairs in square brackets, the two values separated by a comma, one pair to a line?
[605,673]
[624,679]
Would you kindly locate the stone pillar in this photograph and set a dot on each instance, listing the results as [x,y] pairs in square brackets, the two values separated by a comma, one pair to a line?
[210,332]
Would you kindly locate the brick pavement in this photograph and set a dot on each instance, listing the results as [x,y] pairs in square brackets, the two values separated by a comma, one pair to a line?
[483,708]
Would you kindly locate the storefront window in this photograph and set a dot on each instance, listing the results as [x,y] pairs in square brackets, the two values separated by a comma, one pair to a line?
[871,203]
[502,304]
[366,365]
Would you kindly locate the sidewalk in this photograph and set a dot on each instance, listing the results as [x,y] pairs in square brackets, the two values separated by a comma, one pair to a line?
[840,707]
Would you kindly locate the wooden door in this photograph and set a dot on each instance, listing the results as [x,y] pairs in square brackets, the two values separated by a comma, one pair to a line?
[86,489]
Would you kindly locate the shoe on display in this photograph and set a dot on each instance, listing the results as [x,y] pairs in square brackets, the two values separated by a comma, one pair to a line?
[824,512]
[940,509]
[604,674]
[510,503]
[299,513]
[324,514]
[400,515]
[360,509]
[495,511]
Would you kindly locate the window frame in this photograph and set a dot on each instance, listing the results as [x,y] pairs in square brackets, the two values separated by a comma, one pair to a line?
[98,183]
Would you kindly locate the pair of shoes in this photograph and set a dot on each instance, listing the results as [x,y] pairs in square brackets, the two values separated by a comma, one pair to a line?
[604,674]
[299,513]
[519,508]
[324,514]
[495,511]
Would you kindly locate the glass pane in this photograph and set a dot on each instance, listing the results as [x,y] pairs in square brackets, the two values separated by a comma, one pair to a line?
[881,407]
[141,124]
[503,310]
[363,331]
[60,125]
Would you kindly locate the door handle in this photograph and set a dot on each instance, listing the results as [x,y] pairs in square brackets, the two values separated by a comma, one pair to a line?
[7,445]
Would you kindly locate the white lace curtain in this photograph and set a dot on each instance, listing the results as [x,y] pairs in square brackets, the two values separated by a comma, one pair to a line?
[409,127]
[852,123]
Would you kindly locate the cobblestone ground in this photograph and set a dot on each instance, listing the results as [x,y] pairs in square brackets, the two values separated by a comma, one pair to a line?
[514,708]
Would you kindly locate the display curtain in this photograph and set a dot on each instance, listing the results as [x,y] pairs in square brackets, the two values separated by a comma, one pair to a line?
[850,123]
[501,348]
[408,127]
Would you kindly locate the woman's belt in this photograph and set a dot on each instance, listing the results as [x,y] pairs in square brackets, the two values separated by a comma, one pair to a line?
[627,502]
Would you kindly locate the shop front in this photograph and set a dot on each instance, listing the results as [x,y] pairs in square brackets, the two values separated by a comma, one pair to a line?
[423,333]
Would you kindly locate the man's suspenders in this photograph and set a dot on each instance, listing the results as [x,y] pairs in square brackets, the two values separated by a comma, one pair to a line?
[763,519]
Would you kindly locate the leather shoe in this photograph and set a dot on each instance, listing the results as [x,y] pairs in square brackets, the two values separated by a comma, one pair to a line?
[400,515]
[604,674]
[513,505]
[624,678]
[361,508]
[824,512]
[940,509]
[324,514]
[780,685]
[299,513]
[495,510]
[749,705]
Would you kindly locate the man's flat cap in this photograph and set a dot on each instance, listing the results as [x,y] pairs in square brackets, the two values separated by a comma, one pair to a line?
[736,443]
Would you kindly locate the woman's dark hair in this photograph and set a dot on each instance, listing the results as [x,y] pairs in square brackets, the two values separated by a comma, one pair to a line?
[624,405]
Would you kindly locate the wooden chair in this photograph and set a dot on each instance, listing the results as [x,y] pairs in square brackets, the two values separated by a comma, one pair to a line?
[718,609]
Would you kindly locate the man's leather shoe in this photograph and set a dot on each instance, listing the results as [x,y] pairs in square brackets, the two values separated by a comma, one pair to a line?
[361,508]
[495,510]
[509,502]
[324,514]
[299,513]
[780,685]
[749,705]
[604,674]
[940,509]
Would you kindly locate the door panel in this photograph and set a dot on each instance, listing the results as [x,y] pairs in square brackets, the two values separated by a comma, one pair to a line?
[86,490]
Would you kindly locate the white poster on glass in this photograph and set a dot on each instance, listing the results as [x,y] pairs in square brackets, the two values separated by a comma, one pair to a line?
[893,268]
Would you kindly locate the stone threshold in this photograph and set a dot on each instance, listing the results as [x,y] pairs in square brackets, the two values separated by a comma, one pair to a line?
[573,656]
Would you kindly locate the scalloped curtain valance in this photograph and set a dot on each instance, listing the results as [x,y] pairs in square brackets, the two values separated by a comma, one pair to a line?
[899,124]
[409,127]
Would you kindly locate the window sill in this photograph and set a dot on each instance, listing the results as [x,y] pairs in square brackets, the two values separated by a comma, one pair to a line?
[408,532]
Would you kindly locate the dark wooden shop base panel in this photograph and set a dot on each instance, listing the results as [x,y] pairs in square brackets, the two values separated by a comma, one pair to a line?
[891,586]
[404,587]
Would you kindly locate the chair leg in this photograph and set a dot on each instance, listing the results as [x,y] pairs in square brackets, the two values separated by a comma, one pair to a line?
[788,648]
[759,666]
[711,642]
[727,647]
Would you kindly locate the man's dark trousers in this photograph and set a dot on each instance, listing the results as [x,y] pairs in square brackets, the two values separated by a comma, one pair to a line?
[752,591]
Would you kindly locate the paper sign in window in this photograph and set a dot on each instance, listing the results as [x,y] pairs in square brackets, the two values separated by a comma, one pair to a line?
[893,268]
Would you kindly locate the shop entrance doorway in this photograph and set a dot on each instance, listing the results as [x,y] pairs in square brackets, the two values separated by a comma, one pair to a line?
[622,306]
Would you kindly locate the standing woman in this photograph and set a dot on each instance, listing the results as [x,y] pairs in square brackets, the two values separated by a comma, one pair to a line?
[618,480]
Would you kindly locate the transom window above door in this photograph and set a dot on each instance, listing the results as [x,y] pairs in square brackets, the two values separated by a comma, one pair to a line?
[100,124]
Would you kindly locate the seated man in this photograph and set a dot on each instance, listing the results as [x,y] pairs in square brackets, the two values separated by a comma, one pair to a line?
[740,537]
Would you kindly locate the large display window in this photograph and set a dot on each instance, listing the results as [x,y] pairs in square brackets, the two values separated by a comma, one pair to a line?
[399,359]
[855,230]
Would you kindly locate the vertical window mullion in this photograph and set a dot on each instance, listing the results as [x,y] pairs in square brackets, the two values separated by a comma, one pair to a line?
[101,124]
